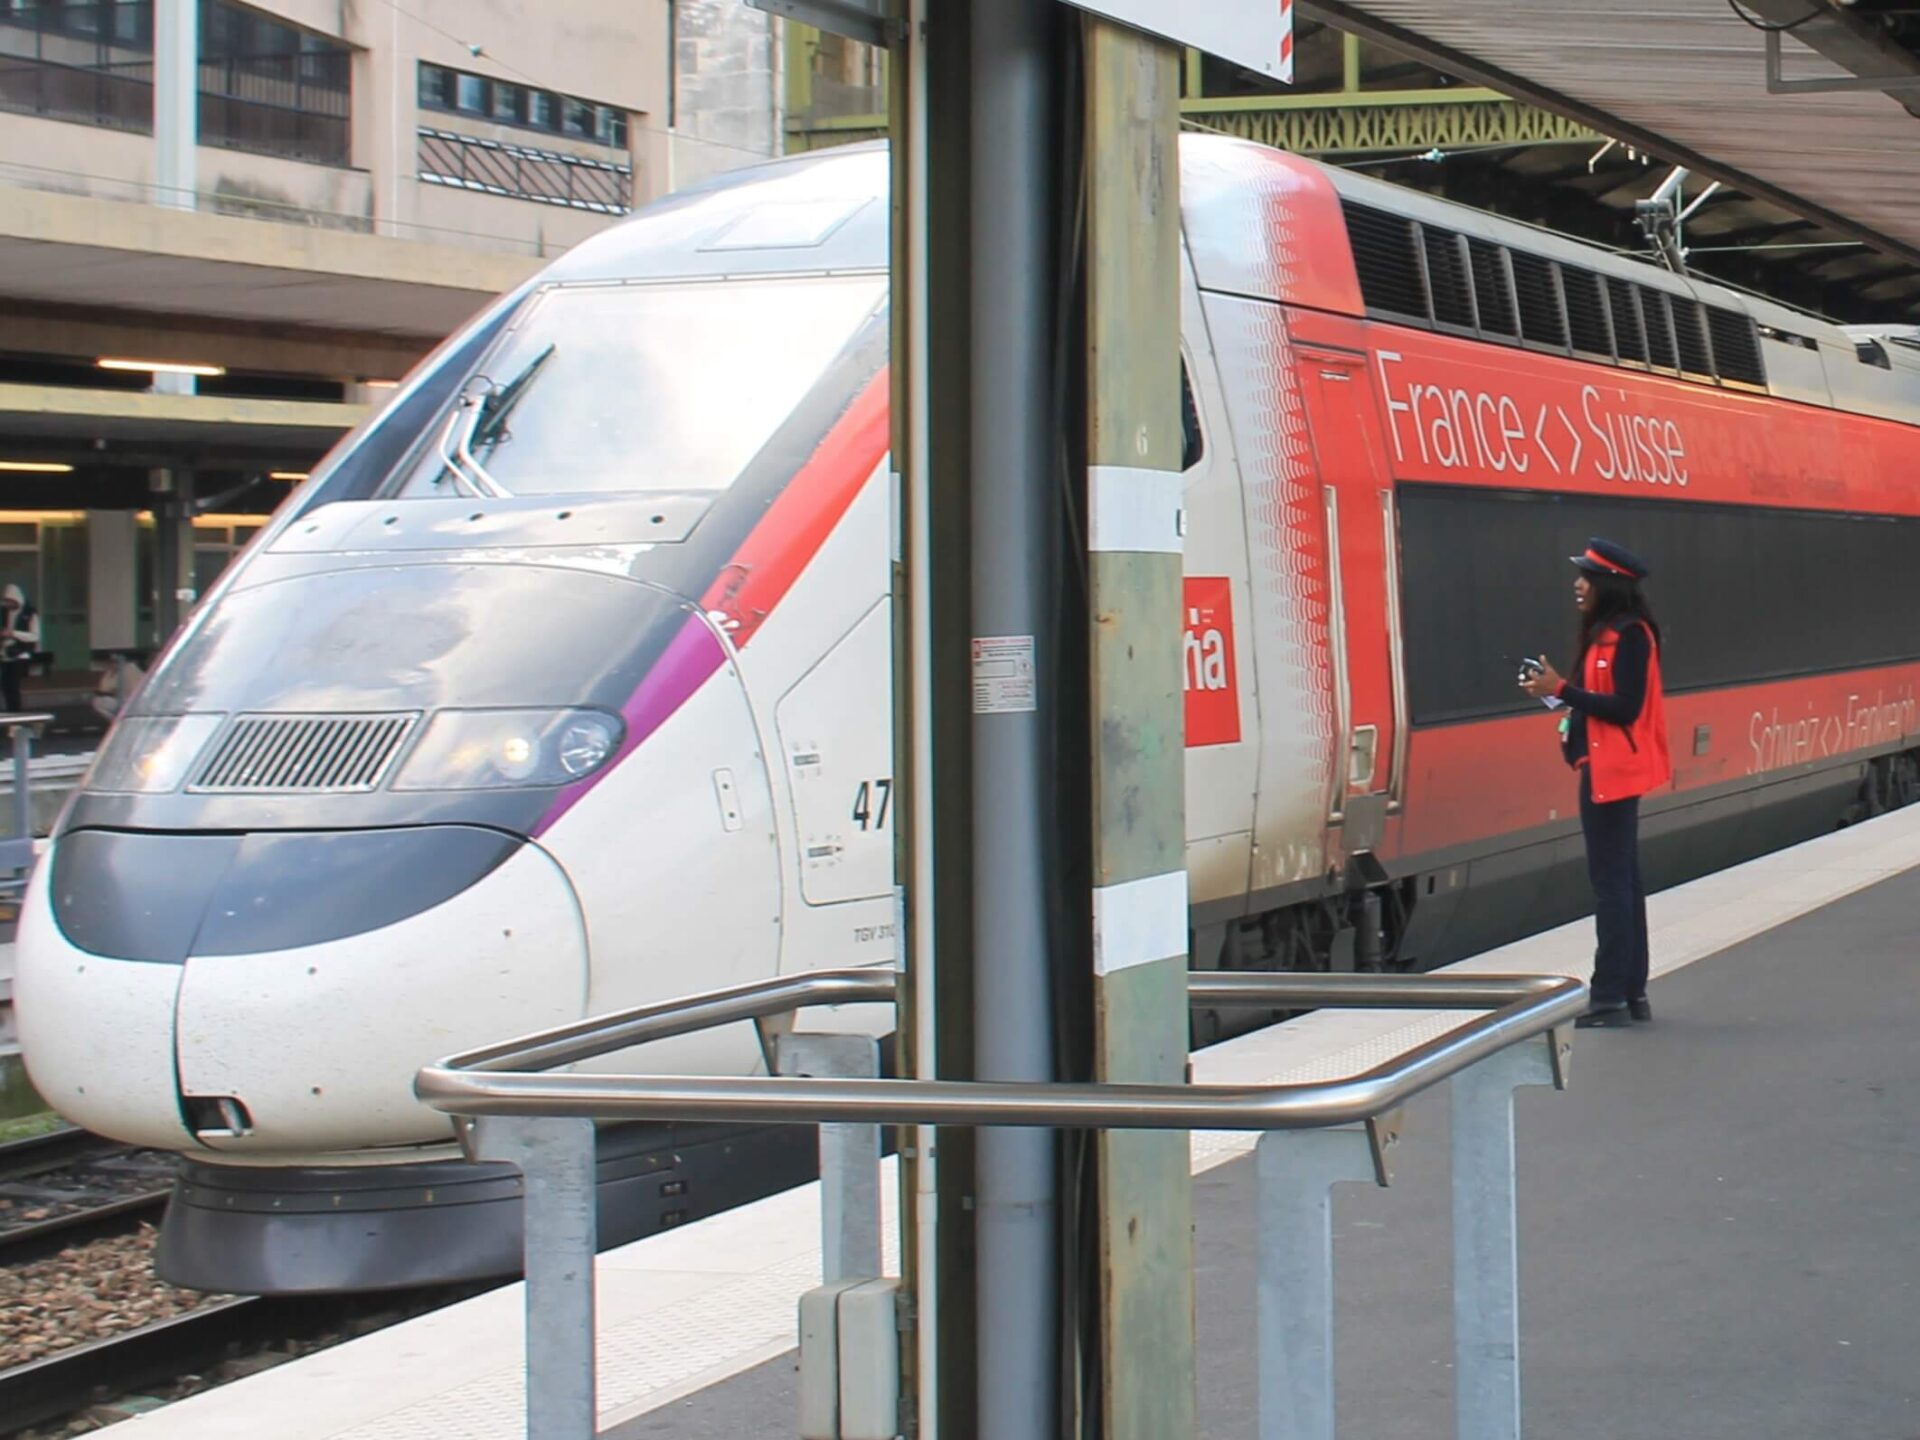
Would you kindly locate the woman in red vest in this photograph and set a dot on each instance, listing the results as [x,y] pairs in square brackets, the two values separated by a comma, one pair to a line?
[1615,736]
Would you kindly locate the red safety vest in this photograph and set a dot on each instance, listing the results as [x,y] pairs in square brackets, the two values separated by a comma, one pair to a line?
[1625,761]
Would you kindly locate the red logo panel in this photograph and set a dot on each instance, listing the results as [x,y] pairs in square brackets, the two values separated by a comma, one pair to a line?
[1213,689]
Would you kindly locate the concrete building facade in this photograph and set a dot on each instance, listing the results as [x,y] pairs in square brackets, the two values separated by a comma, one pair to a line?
[729,87]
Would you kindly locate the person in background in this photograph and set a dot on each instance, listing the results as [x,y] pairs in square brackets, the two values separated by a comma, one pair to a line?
[117,686]
[1615,736]
[19,643]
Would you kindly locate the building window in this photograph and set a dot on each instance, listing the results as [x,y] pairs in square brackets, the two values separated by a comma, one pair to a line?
[265,86]
[505,103]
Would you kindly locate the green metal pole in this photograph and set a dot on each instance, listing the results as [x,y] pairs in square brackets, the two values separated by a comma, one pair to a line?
[1132,260]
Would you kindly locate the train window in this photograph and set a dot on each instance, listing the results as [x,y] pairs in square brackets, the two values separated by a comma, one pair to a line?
[1493,290]
[1653,309]
[1744,594]
[1629,334]
[1541,320]
[1586,311]
[1872,352]
[1787,337]
[1690,333]
[1447,277]
[629,388]
[1193,443]
[1736,345]
[1384,256]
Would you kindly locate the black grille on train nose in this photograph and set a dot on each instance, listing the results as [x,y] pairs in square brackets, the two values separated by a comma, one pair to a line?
[285,754]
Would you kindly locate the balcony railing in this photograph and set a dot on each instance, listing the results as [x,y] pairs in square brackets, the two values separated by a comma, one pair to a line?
[120,97]
[520,172]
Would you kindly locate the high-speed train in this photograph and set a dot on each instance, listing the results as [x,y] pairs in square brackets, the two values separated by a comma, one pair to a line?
[564,684]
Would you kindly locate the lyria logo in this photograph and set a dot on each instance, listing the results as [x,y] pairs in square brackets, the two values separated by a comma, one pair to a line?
[1213,690]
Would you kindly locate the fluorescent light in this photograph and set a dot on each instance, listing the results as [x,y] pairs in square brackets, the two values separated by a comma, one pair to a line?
[381,384]
[35,467]
[286,474]
[162,367]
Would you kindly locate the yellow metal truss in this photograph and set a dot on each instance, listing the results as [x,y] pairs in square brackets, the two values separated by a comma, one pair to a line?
[1389,128]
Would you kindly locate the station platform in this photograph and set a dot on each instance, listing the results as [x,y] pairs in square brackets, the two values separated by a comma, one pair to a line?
[1715,1219]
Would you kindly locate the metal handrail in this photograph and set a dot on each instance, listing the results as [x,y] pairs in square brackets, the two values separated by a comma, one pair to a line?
[543,1125]
[511,1078]
[16,850]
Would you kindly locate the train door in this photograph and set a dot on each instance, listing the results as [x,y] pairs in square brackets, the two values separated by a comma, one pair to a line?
[1357,506]
[1222,704]
[1283,624]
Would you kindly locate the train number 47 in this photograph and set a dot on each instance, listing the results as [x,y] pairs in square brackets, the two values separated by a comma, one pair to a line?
[871,803]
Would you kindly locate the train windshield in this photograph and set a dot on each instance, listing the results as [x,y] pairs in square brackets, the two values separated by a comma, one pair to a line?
[622,387]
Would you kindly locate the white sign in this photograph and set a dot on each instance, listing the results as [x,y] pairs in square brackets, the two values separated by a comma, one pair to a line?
[1257,34]
[1003,675]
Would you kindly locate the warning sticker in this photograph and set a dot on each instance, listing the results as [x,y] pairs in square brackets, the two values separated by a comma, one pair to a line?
[1003,679]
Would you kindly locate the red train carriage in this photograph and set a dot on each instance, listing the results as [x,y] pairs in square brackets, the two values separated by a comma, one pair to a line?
[1449,404]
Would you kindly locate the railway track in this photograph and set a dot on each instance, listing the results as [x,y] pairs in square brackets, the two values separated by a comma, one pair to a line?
[69,1186]
[218,1342]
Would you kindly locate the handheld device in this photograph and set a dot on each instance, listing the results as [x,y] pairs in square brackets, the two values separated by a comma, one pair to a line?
[1528,668]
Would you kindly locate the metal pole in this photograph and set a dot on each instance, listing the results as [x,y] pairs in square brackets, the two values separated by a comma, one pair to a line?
[1131,257]
[1486,1241]
[849,1157]
[22,767]
[1294,1172]
[911,138]
[173,545]
[1012,147]
[556,1162]
[176,101]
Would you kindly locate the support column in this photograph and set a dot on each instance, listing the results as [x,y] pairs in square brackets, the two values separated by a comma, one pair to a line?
[1294,1173]
[1012,262]
[556,1159]
[931,724]
[176,126]
[172,491]
[1486,1236]
[1134,446]
[176,101]
[933,282]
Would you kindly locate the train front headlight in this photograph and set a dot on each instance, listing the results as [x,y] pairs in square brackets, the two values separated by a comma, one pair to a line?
[151,754]
[509,749]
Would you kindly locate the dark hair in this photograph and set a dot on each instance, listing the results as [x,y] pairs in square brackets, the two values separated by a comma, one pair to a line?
[1618,601]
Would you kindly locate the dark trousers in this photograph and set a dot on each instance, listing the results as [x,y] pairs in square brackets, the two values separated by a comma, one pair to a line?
[1619,897]
[11,674]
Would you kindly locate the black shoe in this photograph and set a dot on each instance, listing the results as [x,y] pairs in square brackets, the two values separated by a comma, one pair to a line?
[1609,1017]
[1641,1009]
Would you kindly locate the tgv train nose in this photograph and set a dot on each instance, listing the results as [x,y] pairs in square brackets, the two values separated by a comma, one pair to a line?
[218,988]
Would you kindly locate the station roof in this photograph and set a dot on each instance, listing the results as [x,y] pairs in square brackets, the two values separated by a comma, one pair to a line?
[1687,80]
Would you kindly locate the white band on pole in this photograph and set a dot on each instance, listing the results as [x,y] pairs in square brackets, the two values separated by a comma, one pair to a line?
[1139,921]
[1130,509]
